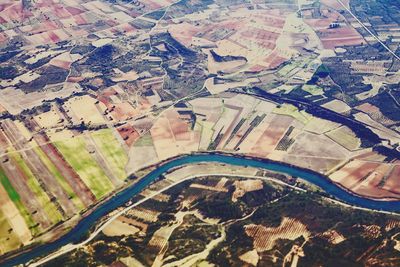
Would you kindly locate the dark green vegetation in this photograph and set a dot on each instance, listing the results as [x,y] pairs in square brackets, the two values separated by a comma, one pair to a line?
[366,237]
[180,246]
[184,67]
[49,75]
[8,72]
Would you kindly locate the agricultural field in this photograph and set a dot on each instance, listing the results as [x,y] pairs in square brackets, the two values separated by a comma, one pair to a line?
[76,154]
[94,94]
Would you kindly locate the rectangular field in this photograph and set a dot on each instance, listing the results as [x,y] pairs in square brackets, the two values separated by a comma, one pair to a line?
[113,152]
[50,209]
[8,238]
[74,151]
[60,178]
[15,197]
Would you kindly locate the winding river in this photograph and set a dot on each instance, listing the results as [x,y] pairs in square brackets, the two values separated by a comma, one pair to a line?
[76,234]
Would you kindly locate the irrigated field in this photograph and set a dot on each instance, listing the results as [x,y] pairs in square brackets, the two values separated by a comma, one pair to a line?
[60,178]
[16,199]
[112,151]
[75,152]
[46,204]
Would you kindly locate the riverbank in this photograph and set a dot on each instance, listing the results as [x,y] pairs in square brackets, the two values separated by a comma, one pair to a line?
[120,198]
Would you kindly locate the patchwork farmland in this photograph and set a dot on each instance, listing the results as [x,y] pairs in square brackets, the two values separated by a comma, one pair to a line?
[95,93]
[50,177]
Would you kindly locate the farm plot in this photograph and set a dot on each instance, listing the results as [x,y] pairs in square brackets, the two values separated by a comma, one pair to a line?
[292,111]
[318,146]
[392,182]
[32,166]
[72,178]
[119,228]
[75,153]
[48,206]
[60,178]
[366,178]
[8,238]
[84,109]
[14,218]
[320,126]
[112,151]
[272,134]
[16,199]
[16,184]
[345,137]
[142,153]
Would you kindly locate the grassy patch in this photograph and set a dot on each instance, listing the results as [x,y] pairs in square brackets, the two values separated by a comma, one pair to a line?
[74,151]
[290,110]
[111,149]
[313,89]
[51,210]
[60,178]
[15,197]
[345,137]
[145,140]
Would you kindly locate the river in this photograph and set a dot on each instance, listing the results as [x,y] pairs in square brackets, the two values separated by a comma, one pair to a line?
[119,199]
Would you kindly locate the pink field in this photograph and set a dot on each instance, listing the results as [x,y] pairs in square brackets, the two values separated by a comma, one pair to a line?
[180,128]
[274,60]
[271,136]
[393,182]
[80,20]
[74,11]
[364,178]
[331,38]
[184,32]
[61,64]
[61,12]
[16,13]
[123,111]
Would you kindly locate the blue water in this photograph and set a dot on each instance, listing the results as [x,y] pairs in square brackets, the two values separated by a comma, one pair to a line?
[124,196]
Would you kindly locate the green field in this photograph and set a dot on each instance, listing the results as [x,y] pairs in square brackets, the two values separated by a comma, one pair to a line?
[313,89]
[74,151]
[145,140]
[290,110]
[345,137]
[51,210]
[60,178]
[207,130]
[8,239]
[112,151]
[15,197]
